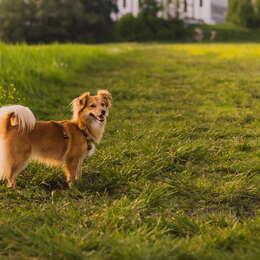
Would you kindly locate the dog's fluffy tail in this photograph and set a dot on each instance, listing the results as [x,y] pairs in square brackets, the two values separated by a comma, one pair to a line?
[17,115]
[13,116]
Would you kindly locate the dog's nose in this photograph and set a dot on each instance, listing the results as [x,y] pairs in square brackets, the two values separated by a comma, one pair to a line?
[103,112]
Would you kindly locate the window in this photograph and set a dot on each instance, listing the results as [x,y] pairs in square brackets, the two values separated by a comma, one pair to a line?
[201,3]
[124,3]
[185,7]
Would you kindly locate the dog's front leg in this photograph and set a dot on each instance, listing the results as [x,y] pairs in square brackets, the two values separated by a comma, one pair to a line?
[71,170]
[79,172]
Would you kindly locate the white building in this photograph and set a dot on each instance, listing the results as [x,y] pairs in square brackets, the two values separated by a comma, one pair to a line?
[192,11]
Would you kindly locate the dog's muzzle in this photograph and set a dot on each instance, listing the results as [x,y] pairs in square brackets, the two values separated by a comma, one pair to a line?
[101,118]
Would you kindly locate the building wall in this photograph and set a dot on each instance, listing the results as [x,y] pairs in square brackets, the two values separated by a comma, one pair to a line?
[218,10]
[204,11]
[125,7]
[207,11]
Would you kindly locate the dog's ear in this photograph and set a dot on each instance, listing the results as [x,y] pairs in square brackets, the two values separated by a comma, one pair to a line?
[80,102]
[106,96]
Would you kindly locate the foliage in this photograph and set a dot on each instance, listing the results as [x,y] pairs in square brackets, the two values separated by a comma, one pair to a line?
[9,95]
[125,28]
[176,175]
[232,11]
[257,12]
[149,25]
[149,28]
[37,21]
[15,18]
[227,32]
[56,20]
[243,12]
[150,7]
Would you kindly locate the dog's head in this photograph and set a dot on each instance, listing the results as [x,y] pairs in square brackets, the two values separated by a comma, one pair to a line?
[92,110]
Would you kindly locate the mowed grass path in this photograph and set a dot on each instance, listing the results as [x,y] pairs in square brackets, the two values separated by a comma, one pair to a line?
[175,176]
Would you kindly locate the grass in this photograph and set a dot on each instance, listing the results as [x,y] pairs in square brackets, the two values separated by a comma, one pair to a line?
[176,174]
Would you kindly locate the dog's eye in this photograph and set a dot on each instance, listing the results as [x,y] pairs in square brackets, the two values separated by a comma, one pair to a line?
[103,104]
[92,105]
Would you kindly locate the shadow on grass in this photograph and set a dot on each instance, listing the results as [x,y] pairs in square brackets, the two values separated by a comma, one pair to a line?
[96,181]
[52,179]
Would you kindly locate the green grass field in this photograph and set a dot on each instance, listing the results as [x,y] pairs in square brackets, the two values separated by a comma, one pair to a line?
[175,176]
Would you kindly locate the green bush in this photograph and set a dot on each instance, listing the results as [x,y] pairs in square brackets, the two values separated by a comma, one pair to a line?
[178,29]
[149,28]
[225,33]
[144,28]
[125,28]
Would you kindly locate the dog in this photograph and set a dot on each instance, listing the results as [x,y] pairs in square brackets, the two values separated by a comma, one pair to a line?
[57,143]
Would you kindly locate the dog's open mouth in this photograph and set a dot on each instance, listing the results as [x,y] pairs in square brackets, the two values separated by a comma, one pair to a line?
[101,120]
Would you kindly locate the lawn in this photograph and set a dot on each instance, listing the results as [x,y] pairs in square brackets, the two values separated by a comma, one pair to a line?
[175,176]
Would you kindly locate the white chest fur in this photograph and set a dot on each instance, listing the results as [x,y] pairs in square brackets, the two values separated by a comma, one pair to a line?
[91,149]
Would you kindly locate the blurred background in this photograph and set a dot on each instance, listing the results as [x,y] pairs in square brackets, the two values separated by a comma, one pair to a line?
[95,21]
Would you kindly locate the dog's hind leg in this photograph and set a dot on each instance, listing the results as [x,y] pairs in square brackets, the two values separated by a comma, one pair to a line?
[14,167]
[16,157]
[13,170]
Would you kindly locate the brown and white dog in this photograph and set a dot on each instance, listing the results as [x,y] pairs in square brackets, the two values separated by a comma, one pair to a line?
[64,143]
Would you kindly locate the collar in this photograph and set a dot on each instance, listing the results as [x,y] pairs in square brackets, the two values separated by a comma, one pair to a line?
[88,138]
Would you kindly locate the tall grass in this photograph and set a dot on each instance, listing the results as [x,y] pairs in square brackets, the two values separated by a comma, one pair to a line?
[176,174]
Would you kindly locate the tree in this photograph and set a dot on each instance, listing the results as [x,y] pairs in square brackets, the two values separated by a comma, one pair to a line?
[148,26]
[98,17]
[242,12]
[56,20]
[246,13]
[147,21]
[125,28]
[256,4]
[232,11]
[150,7]
[16,18]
